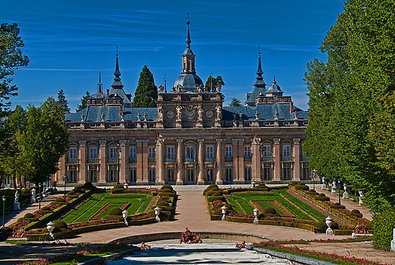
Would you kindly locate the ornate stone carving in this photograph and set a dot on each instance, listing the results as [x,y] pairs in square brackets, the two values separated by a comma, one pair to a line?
[122,142]
[82,142]
[200,113]
[296,140]
[218,110]
[276,140]
[178,113]
[209,114]
[256,140]
[160,113]
[102,142]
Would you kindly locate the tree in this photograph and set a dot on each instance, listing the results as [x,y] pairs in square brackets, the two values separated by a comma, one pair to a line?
[11,58]
[235,103]
[351,96]
[213,82]
[146,94]
[63,101]
[44,140]
[84,101]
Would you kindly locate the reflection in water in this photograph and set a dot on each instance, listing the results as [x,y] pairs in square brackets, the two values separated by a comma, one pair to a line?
[214,253]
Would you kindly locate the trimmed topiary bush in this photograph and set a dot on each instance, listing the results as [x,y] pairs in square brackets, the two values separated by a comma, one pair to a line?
[383,225]
[215,198]
[302,187]
[270,211]
[356,213]
[214,193]
[262,187]
[338,206]
[28,215]
[211,187]
[115,211]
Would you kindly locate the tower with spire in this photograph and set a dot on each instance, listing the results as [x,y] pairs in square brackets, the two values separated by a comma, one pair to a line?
[188,81]
[117,86]
[259,86]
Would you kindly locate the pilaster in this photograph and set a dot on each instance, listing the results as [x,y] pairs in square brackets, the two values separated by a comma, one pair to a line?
[235,156]
[200,180]
[103,168]
[180,163]
[277,160]
[62,169]
[123,161]
[159,161]
[241,160]
[296,155]
[256,160]
[145,163]
[220,162]
[82,162]
[139,162]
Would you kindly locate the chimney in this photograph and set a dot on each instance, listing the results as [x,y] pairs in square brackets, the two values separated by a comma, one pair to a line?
[108,92]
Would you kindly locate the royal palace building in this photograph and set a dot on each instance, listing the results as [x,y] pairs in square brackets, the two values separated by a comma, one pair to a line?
[189,138]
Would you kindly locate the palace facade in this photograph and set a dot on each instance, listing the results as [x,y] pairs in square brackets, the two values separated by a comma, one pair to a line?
[189,138]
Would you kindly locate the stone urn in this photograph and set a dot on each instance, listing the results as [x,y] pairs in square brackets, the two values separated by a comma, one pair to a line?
[329,222]
[360,201]
[125,217]
[256,221]
[157,212]
[50,228]
[323,184]
[223,210]
[345,193]
[333,187]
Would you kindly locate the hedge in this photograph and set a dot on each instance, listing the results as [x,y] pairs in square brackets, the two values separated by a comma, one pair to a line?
[383,225]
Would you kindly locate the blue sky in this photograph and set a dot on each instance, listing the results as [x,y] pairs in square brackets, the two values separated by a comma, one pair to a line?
[69,42]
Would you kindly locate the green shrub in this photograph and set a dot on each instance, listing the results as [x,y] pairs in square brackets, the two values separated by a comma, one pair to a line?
[338,206]
[302,187]
[262,187]
[383,225]
[115,211]
[214,193]
[29,215]
[322,197]
[161,203]
[261,216]
[214,198]
[356,213]
[166,187]
[270,211]
[211,187]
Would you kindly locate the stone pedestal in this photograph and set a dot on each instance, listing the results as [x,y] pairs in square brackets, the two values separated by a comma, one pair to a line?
[345,193]
[16,206]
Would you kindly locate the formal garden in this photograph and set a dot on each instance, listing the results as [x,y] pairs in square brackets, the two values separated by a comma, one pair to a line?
[87,208]
[293,206]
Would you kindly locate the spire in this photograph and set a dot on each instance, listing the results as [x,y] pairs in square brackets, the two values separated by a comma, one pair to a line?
[259,83]
[117,84]
[188,33]
[99,85]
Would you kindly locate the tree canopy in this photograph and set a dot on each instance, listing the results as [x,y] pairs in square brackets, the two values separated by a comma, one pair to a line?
[351,131]
[235,103]
[146,94]
[62,101]
[11,58]
[213,82]
[84,101]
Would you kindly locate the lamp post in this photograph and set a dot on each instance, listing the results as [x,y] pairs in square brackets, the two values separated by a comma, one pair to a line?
[64,184]
[3,199]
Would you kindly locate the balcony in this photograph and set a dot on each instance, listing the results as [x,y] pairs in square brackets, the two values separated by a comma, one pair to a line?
[151,159]
[247,158]
[92,160]
[228,159]
[209,159]
[286,158]
[267,158]
[170,159]
[132,160]
[112,160]
[72,160]
[189,160]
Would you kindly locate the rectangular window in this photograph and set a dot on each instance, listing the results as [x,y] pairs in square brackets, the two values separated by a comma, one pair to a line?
[92,154]
[170,175]
[112,154]
[229,174]
[209,152]
[190,175]
[151,152]
[132,154]
[112,175]
[247,151]
[286,151]
[72,155]
[247,174]
[210,175]
[151,175]
[266,151]
[189,154]
[73,175]
[267,172]
[170,152]
[228,152]
[133,175]
[92,174]
[286,171]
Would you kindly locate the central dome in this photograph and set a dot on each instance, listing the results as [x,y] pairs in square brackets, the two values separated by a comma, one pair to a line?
[188,82]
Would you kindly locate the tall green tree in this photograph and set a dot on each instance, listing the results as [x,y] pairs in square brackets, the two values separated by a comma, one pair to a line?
[351,96]
[213,82]
[44,140]
[63,101]
[11,58]
[235,103]
[84,101]
[146,94]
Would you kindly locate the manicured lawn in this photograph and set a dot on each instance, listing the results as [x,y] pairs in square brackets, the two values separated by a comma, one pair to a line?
[137,203]
[285,204]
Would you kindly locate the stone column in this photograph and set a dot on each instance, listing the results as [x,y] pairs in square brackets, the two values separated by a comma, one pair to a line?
[200,180]
[220,162]
[123,161]
[160,170]
[241,160]
[235,155]
[145,163]
[277,160]
[62,169]
[180,163]
[103,168]
[256,160]
[82,162]
[139,162]
[296,155]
